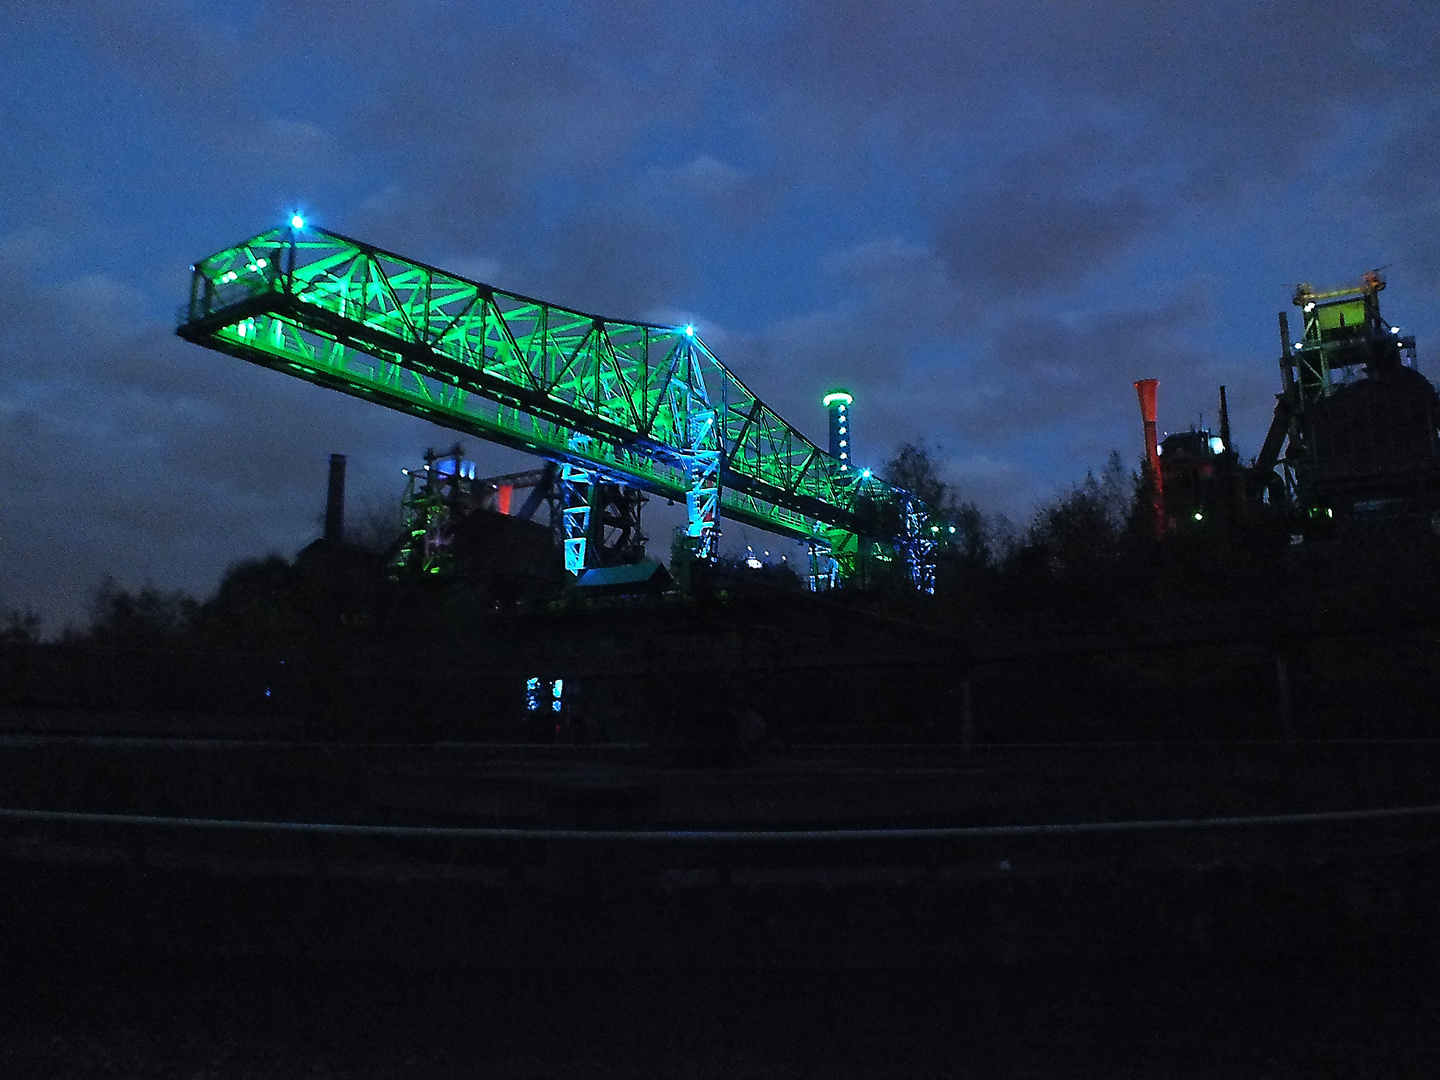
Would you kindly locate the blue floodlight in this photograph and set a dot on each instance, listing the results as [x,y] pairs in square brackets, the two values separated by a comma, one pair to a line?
[689,330]
[297,222]
[865,473]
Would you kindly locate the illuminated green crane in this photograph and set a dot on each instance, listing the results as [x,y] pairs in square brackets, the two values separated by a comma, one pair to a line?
[645,405]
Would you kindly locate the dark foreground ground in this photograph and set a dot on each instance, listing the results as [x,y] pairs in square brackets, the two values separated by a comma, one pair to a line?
[1360,1012]
[587,931]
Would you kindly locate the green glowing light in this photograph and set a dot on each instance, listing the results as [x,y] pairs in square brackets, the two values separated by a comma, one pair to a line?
[634,399]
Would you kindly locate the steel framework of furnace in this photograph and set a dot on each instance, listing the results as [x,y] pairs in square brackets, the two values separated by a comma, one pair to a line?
[1356,419]
[640,405]
[597,521]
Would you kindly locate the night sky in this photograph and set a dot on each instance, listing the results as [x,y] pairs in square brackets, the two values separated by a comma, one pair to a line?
[986,219]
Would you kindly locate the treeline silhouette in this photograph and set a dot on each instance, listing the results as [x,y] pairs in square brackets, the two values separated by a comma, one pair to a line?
[1080,623]
[1088,555]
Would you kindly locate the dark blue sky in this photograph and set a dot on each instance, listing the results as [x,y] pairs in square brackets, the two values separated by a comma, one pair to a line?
[986,219]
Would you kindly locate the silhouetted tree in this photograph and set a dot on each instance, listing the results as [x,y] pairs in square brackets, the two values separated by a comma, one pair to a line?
[147,618]
[260,605]
[913,468]
[19,627]
[1073,554]
[373,525]
[1082,530]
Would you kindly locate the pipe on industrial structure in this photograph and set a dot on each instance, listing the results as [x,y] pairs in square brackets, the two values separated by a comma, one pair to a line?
[1145,388]
[335,501]
[1287,376]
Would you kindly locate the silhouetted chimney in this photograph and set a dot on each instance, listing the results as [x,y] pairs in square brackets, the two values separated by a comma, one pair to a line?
[335,501]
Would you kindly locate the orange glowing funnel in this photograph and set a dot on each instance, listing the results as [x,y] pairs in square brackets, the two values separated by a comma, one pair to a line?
[1146,389]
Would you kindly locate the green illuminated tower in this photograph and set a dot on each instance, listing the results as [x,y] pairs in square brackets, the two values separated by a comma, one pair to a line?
[837,404]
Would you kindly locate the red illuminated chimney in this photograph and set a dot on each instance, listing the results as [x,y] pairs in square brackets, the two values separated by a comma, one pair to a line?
[1146,389]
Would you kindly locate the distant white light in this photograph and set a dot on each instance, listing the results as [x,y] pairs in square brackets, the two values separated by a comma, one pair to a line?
[865,473]
[1310,306]
[1217,445]
[297,222]
[1199,516]
[1395,330]
[952,528]
[689,330]
[1299,345]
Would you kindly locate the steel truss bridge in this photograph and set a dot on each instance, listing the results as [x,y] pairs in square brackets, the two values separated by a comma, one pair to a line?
[639,404]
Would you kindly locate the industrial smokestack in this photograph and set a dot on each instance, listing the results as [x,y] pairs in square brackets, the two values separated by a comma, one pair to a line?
[335,501]
[1146,389]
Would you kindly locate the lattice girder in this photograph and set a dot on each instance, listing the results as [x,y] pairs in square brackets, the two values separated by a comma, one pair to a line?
[518,371]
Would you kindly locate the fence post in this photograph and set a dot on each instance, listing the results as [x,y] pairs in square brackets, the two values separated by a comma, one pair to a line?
[1282,688]
[967,716]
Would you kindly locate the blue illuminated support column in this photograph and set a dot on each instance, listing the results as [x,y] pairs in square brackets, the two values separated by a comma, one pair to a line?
[577,491]
[919,544]
[837,404]
[702,470]
[824,571]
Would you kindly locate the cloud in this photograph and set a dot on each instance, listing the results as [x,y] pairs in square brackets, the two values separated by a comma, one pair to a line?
[129,451]
[1041,219]
[735,199]
[987,219]
[617,266]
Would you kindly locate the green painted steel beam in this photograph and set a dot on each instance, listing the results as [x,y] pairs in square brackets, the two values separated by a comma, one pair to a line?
[602,393]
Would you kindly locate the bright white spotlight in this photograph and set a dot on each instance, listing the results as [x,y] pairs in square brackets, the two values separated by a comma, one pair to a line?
[865,473]
[297,222]
[689,330]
